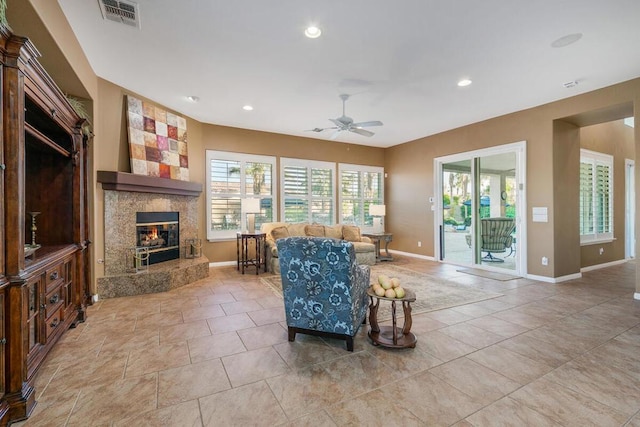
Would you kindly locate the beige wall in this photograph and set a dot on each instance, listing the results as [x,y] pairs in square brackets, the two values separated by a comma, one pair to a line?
[410,169]
[616,139]
[409,166]
[565,167]
[552,135]
[44,23]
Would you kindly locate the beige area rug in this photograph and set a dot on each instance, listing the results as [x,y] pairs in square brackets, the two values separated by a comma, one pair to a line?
[432,293]
[488,274]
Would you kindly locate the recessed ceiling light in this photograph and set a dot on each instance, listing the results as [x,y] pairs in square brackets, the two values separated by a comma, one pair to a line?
[567,40]
[193,98]
[312,32]
[247,108]
[464,82]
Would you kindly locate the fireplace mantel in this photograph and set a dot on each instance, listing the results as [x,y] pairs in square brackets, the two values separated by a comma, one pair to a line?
[123,181]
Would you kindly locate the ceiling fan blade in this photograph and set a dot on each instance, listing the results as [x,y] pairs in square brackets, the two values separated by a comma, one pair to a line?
[367,124]
[320,129]
[335,134]
[361,132]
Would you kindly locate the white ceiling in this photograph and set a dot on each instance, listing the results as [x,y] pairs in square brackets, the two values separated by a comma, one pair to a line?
[400,60]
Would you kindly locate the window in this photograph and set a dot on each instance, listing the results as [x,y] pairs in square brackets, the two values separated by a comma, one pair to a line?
[596,197]
[308,191]
[360,187]
[232,177]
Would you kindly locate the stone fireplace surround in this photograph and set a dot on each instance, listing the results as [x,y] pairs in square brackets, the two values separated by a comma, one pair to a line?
[124,195]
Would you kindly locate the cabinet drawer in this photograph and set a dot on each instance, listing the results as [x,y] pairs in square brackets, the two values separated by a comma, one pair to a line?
[53,301]
[54,321]
[54,276]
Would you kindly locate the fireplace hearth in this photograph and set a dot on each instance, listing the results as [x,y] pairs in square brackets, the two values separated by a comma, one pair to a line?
[159,232]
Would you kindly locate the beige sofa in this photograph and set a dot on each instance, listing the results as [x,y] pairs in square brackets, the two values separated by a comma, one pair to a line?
[365,249]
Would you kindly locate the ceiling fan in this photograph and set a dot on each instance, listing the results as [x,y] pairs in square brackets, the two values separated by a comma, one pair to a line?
[344,123]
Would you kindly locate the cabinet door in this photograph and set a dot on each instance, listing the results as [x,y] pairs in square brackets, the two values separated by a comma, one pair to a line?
[33,309]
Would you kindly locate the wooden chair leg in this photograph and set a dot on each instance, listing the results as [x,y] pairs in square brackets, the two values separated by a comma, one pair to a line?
[292,334]
[349,343]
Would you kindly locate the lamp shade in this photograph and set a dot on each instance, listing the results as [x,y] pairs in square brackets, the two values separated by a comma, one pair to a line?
[377,210]
[250,205]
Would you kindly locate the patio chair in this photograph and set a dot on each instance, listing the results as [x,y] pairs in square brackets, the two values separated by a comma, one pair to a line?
[495,236]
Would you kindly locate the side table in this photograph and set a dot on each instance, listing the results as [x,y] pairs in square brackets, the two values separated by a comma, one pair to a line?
[392,336]
[242,251]
[377,238]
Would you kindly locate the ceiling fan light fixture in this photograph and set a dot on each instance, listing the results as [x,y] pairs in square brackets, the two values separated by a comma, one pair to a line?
[464,82]
[312,32]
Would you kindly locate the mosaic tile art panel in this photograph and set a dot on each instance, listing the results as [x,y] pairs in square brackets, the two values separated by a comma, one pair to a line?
[157,141]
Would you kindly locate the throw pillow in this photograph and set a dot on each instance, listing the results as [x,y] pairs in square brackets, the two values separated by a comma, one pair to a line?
[297,229]
[279,233]
[334,232]
[351,233]
[314,230]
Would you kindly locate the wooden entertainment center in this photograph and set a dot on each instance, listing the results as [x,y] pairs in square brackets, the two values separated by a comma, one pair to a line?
[43,168]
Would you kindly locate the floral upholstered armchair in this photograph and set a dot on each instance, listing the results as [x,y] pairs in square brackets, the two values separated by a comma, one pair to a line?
[324,288]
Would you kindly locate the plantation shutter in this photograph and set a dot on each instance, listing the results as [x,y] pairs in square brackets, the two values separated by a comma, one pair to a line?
[361,187]
[225,191]
[350,181]
[586,198]
[231,178]
[296,191]
[308,191]
[603,205]
[596,196]
[322,196]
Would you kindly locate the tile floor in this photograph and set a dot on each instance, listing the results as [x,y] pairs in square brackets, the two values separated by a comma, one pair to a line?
[216,353]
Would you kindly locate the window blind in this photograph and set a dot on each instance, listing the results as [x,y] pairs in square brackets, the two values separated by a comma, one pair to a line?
[596,196]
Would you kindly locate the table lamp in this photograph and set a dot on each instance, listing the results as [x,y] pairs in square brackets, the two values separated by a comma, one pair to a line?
[251,207]
[377,212]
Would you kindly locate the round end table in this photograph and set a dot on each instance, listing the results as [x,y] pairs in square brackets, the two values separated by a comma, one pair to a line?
[391,336]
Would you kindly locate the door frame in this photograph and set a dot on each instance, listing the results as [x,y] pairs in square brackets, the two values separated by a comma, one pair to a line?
[629,210]
[520,150]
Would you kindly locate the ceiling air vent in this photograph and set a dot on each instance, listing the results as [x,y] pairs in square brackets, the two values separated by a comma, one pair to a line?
[120,11]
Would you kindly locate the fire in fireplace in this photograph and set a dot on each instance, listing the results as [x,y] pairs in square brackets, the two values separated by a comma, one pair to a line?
[160,233]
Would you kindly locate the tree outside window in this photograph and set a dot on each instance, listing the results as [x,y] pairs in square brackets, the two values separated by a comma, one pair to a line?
[231,178]
[360,187]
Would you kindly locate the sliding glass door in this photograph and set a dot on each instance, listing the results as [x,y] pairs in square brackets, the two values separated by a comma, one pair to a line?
[457,212]
[480,206]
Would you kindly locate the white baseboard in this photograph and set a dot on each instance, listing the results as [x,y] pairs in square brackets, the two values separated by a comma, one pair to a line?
[603,265]
[554,279]
[409,254]
[575,275]
[223,264]
[636,296]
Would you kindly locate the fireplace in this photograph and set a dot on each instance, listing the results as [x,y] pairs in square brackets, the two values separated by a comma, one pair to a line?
[160,233]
